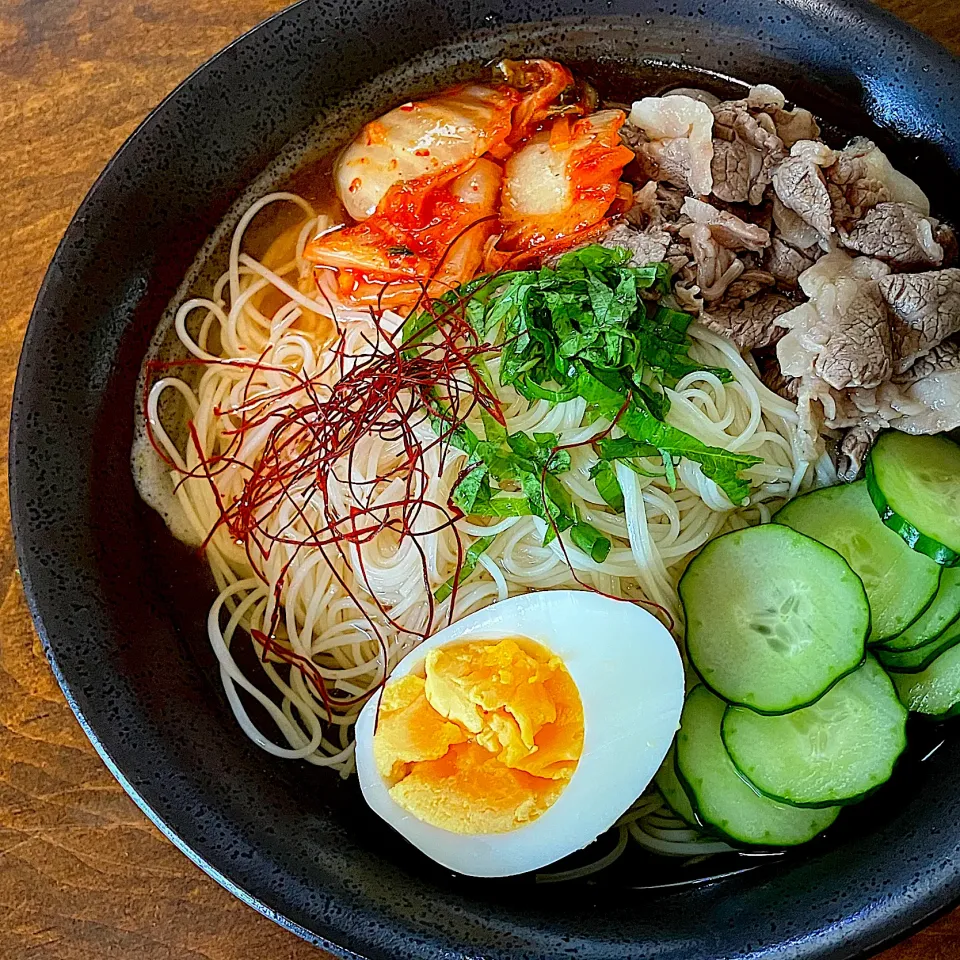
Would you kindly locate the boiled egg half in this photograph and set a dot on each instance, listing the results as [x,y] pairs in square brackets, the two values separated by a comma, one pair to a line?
[521,733]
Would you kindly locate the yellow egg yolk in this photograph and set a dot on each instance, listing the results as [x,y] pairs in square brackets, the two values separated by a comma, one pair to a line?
[484,740]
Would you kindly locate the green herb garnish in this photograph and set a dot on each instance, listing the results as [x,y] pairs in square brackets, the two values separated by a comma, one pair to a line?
[583,329]
[589,327]
[469,564]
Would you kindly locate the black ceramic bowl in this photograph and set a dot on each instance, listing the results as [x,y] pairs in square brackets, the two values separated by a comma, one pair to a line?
[131,655]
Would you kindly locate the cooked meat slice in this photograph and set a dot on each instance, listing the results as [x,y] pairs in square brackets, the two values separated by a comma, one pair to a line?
[854,184]
[714,235]
[786,262]
[680,257]
[667,160]
[736,168]
[929,403]
[655,205]
[773,378]
[853,188]
[749,284]
[841,335]
[854,447]
[766,97]
[800,186]
[716,265]
[813,396]
[795,125]
[896,233]
[751,324]
[694,93]
[944,356]
[925,399]
[851,202]
[862,160]
[790,125]
[926,310]
[679,138]
[746,149]
[726,228]
[688,296]
[849,408]
[768,105]
[792,228]
[647,246]
[746,118]
[670,201]
[646,208]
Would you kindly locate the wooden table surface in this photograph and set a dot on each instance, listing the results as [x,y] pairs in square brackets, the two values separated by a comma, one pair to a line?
[83,874]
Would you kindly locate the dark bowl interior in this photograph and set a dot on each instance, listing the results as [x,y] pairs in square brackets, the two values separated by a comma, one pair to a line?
[120,608]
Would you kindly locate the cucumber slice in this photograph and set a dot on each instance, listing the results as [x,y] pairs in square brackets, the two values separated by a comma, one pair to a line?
[915,486]
[913,661]
[834,752]
[900,583]
[934,692]
[721,797]
[774,618]
[944,609]
[669,785]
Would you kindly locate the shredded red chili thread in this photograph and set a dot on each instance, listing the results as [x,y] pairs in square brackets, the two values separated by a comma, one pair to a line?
[312,440]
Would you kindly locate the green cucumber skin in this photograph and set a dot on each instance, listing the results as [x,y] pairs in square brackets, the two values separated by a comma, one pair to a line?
[910,535]
[879,649]
[708,828]
[937,685]
[950,714]
[812,806]
[932,654]
[871,642]
[819,805]
[884,648]
[672,759]
[702,825]
[949,581]
[796,705]
[954,711]
[780,713]
[716,831]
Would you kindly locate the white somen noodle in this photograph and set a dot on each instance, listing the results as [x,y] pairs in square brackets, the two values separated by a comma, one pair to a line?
[353,611]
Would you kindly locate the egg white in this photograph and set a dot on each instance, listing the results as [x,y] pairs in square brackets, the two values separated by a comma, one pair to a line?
[628,671]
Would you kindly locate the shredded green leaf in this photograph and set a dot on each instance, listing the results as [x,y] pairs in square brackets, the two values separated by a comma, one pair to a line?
[589,327]
[638,423]
[473,485]
[469,564]
[503,506]
[608,486]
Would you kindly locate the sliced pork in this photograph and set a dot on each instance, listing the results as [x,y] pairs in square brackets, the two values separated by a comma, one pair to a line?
[898,234]
[751,324]
[841,335]
[926,310]
[800,185]
[676,142]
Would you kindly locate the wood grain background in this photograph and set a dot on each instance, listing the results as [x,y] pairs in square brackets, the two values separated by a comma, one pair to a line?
[83,875]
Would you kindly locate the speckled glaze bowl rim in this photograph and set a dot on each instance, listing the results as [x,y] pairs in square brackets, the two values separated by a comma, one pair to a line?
[863,940]
[19,523]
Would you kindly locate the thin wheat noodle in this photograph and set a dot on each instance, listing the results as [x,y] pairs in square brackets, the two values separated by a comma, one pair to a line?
[329,606]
